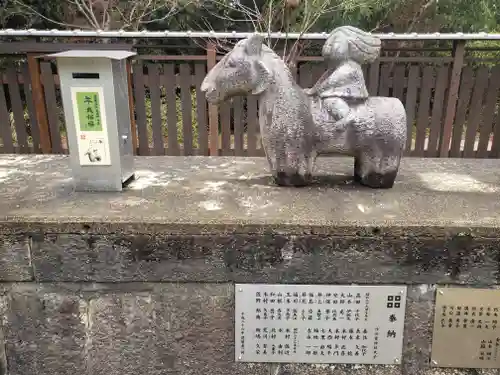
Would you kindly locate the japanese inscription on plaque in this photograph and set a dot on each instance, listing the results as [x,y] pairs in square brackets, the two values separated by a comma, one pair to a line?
[90,126]
[89,111]
[319,323]
[466,328]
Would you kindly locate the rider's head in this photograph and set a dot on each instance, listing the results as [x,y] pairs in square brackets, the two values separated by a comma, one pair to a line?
[351,43]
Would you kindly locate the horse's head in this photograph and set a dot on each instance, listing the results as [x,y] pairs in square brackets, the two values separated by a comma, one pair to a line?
[240,72]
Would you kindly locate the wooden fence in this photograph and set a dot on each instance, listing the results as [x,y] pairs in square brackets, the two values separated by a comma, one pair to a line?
[452,103]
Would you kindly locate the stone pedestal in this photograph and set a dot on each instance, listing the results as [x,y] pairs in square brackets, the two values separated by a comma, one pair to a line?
[142,281]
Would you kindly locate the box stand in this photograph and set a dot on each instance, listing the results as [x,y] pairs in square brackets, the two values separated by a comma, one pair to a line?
[94,90]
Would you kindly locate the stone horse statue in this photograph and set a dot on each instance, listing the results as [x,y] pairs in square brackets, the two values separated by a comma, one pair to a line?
[335,116]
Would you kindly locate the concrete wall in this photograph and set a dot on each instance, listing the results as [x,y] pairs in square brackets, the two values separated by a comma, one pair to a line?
[117,303]
[141,282]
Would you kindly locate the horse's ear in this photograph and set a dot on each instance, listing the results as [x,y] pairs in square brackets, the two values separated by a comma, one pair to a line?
[263,78]
[253,46]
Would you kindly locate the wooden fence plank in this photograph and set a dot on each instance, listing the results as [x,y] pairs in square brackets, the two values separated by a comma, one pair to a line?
[239,149]
[451,100]
[385,73]
[34,129]
[187,108]
[39,103]
[213,116]
[295,73]
[201,111]
[374,74]
[437,111]
[5,128]
[495,147]
[479,114]
[225,125]
[423,110]
[17,109]
[476,106]
[464,96]
[488,113]
[140,109]
[52,107]
[133,123]
[399,82]
[169,84]
[366,73]
[40,48]
[156,121]
[411,103]
[252,125]
[398,59]
[317,71]
[305,75]
[177,80]
[145,77]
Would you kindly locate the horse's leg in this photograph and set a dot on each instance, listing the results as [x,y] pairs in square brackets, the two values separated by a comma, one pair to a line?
[280,172]
[297,167]
[310,161]
[377,171]
[380,150]
[389,167]
[357,169]
[276,158]
[270,154]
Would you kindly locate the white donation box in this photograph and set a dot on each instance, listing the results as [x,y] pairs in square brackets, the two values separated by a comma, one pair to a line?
[94,90]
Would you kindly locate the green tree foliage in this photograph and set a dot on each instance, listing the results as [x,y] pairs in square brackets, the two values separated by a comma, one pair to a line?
[32,14]
[245,15]
[469,16]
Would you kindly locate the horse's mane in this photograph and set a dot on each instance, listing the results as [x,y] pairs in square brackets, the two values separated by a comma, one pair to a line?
[274,57]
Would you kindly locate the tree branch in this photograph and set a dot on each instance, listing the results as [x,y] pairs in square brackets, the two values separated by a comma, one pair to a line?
[38,14]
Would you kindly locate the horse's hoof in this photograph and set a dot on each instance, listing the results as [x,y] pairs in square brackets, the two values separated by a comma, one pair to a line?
[357,175]
[299,180]
[357,178]
[293,179]
[308,178]
[281,179]
[376,180]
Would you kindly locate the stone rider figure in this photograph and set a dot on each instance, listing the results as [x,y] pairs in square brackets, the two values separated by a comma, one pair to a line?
[345,50]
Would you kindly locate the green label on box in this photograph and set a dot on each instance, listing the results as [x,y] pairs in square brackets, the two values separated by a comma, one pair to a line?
[89,111]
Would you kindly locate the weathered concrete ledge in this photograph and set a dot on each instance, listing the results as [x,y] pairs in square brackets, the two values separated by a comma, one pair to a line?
[220,219]
[202,194]
[141,282]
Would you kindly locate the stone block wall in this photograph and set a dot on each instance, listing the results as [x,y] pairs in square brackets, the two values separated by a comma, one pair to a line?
[84,302]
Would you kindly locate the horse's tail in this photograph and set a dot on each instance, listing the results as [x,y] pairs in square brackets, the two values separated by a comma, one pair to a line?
[351,43]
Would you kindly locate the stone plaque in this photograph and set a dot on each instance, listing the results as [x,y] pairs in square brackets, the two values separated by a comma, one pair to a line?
[319,323]
[466,330]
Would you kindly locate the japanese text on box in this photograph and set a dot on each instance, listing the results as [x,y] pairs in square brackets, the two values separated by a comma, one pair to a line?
[89,111]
